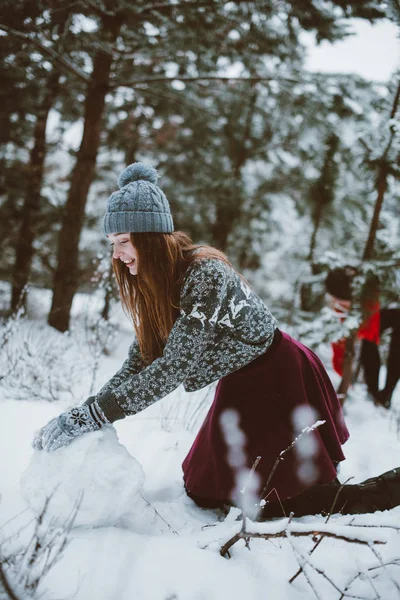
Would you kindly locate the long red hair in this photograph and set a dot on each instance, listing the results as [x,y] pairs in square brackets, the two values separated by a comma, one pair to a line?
[151,298]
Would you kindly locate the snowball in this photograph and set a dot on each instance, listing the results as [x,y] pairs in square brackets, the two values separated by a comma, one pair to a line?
[94,470]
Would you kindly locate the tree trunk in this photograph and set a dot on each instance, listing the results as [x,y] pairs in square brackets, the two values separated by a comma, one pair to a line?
[317,222]
[347,367]
[24,249]
[382,176]
[229,210]
[108,293]
[381,185]
[66,277]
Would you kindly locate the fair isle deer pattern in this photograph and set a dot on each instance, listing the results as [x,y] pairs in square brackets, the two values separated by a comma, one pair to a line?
[223,325]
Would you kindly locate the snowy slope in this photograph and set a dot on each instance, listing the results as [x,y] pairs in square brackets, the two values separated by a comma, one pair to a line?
[168,548]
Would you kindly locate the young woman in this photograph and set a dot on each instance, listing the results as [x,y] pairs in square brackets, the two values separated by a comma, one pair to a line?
[197,321]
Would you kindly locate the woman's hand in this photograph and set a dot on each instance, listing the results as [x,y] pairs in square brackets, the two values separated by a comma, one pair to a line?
[62,430]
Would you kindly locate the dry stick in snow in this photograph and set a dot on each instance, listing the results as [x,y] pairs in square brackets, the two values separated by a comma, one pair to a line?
[10,594]
[395,562]
[149,504]
[382,564]
[326,521]
[304,562]
[304,432]
[245,535]
[285,531]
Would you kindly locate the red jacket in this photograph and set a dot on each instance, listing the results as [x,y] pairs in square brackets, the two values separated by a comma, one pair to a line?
[369,330]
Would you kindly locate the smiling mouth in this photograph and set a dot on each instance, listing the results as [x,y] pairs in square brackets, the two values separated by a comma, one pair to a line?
[130,263]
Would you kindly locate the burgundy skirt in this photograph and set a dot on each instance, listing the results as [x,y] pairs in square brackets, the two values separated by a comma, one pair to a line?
[273,398]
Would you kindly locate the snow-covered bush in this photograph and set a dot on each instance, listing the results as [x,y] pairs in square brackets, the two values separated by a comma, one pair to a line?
[38,362]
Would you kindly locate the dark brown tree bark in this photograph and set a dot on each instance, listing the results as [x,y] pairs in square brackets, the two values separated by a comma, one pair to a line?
[381,184]
[108,293]
[229,208]
[24,248]
[66,278]
[347,368]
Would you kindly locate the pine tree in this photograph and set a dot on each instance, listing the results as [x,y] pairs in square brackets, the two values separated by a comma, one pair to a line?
[138,52]
[24,247]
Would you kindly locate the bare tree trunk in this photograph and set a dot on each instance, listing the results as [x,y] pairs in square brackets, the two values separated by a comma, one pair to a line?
[347,368]
[317,223]
[381,185]
[66,277]
[108,293]
[229,211]
[381,179]
[24,249]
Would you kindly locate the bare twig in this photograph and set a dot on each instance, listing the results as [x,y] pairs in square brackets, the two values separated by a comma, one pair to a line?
[6,584]
[317,543]
[159,516]
[281,456]
[383,565]
[304,562]
[395,563]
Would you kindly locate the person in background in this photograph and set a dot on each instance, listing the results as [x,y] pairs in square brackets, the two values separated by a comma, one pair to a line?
[197,321]
[376,320]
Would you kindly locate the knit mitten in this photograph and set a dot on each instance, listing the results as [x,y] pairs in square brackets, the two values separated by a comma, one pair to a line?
[63,429]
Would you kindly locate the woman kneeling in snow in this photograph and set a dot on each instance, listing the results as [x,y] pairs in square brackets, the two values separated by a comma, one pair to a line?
[196,322]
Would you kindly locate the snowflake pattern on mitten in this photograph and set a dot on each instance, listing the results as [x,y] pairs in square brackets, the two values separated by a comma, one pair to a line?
[60,432]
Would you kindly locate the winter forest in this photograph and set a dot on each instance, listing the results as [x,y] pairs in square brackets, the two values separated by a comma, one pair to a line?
[291,173]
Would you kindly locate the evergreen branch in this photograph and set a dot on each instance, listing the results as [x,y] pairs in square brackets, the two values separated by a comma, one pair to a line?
[178,100]
[101,12]
[49,51]
[162,6]
[156,78]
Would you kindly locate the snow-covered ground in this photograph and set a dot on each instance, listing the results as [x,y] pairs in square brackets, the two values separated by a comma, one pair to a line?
[138,536]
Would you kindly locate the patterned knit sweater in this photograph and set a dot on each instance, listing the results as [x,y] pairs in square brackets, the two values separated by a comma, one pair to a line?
[223,325]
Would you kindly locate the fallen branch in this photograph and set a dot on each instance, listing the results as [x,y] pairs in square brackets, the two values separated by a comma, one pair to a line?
[287,530]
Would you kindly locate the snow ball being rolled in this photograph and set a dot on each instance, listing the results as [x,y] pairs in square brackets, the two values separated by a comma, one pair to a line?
[94,475]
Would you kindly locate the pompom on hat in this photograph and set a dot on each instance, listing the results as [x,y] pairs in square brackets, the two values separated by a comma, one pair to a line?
[139,205]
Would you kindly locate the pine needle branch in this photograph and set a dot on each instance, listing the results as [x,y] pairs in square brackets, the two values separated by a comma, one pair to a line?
[49,51]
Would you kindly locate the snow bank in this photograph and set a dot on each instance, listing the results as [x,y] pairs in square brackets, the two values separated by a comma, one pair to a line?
[113,563]
[96,471]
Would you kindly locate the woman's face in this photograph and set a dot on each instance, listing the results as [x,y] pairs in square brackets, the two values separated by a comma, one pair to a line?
[124,250]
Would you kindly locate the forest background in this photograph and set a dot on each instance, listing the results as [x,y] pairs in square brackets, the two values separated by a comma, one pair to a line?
[272,163]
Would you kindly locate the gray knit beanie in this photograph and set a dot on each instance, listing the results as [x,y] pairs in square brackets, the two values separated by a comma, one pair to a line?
[139,205]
